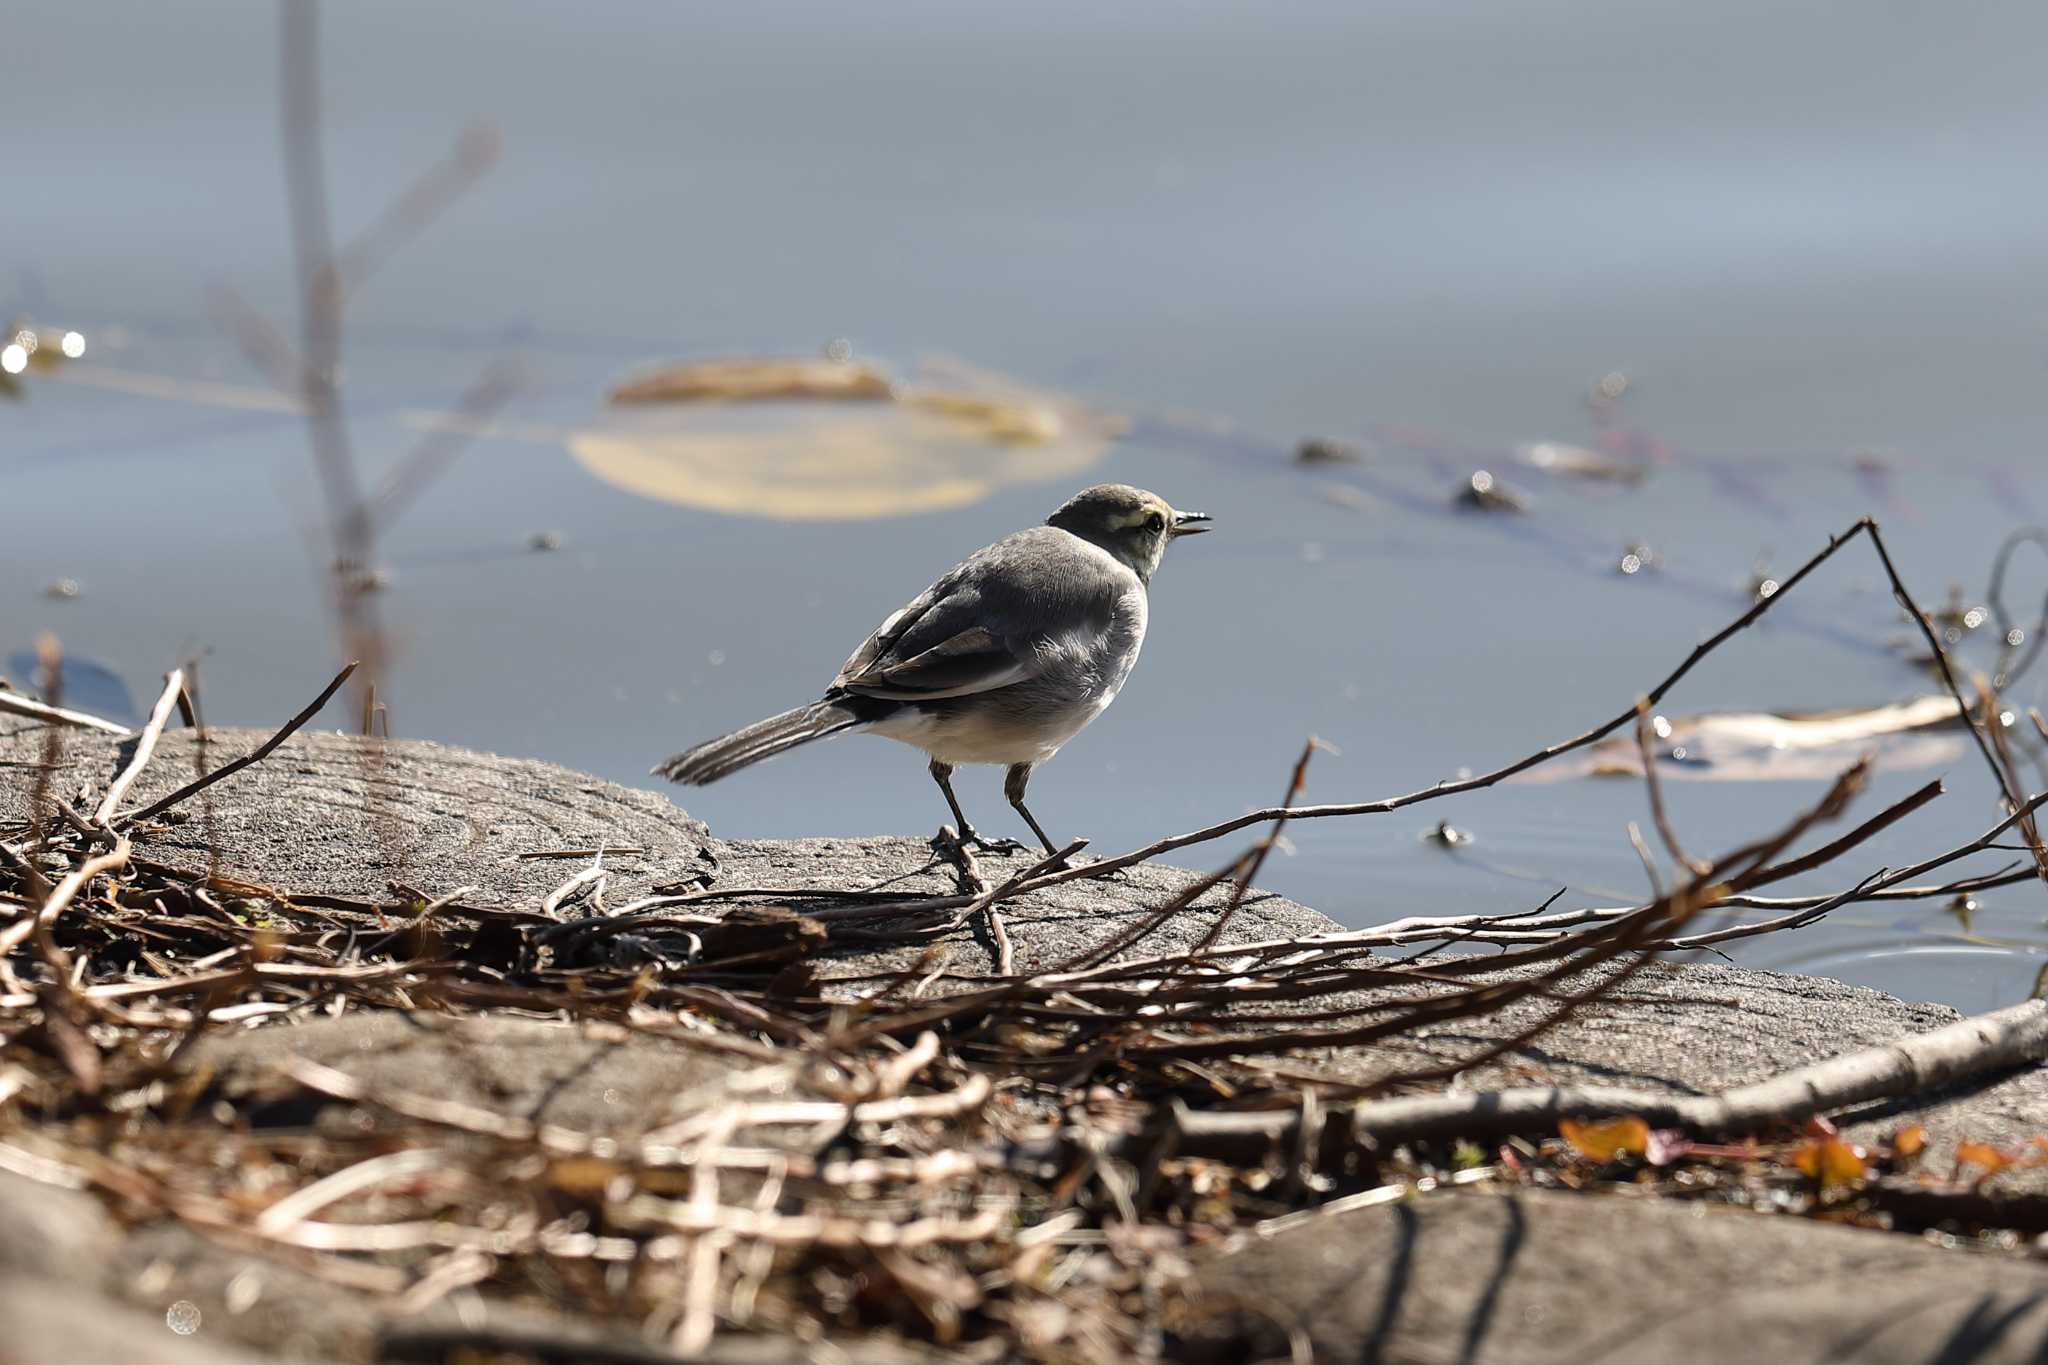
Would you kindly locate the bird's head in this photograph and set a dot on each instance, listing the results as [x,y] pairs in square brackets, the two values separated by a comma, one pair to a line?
[1128,522]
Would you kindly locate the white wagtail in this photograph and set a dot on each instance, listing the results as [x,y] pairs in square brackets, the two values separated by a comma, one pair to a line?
[1002,660]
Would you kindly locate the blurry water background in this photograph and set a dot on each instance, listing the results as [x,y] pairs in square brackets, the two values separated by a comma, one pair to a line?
[1810,236]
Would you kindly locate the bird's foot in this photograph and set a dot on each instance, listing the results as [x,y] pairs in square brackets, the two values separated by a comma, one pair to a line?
[946,842]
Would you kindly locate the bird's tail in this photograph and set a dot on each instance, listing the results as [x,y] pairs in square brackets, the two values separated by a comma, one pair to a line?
[718,758]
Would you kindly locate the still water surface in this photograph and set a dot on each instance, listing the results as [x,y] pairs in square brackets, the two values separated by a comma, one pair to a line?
[1813,245]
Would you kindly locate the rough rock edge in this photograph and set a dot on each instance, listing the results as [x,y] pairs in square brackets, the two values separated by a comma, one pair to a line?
[1690,1027]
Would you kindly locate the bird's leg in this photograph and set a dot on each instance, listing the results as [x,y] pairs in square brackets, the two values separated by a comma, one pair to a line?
[1013,787]
[942,773]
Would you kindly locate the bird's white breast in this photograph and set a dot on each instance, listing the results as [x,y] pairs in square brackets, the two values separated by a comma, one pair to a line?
[1100,665]
[1126,637]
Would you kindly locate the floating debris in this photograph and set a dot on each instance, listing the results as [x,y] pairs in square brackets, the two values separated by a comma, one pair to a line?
[1321,450]
[63,590]
[949,438]
[361,579]
[1484,493]
[23,348]
[757,380]
[993,419]
[837,378]
[1751,746]
[1556,457]
[1636,559]
[1953,622]
[543,542]
[1958,615]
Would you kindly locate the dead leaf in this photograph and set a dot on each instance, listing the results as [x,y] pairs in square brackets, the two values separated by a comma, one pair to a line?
[1990,1159]
[1751,746]
[585,1176]
[748,380]
[1829,1161]
[1909,1142]
[993,419]
[953,438]
[1607,1139]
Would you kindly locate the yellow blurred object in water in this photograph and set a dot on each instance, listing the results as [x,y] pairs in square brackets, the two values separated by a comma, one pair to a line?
[994,418]
[754,381]
[928,449]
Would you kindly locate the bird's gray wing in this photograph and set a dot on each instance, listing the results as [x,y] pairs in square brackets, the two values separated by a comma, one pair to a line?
[972,661]
[1002,616]
[934,648]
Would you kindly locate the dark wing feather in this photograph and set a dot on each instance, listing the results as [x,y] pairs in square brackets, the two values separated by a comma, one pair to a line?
[972,661]
[876,647]
[993,621]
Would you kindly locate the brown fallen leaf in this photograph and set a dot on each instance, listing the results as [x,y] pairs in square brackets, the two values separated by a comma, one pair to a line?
[1754,746]
[993,419]
[1607,1139]
[1991,1160]
[952,437]
[1829,1161]
[745,380]
[583,1176]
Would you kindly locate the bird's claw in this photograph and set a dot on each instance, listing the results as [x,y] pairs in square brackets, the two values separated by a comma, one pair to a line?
[946,841]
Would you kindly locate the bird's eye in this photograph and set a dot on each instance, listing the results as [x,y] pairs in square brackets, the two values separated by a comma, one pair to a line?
[1155,523]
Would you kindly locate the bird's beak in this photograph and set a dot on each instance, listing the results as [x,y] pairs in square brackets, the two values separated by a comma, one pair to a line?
[1188,523]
